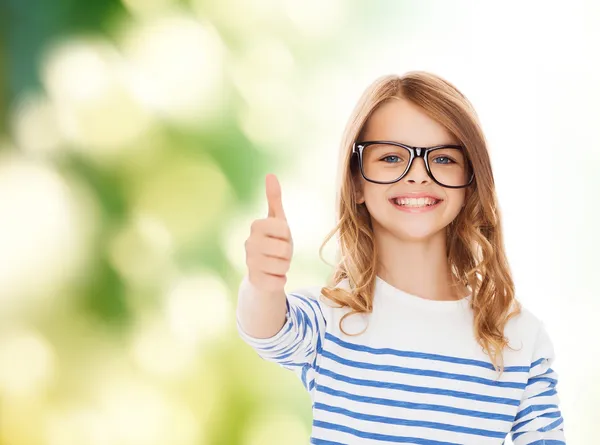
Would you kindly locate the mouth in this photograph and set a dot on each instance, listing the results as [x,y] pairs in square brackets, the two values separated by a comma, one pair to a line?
[416,203]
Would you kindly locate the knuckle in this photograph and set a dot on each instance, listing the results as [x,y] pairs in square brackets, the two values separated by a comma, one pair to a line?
[257,226]
[279,249]
[282,225]
[285,267]
[271,223]
[281,229]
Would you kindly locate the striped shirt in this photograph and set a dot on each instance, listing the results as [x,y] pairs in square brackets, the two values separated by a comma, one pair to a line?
[416,375]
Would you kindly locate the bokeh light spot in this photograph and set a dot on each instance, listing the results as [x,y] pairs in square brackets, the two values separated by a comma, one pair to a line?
[198,308]
[27,363]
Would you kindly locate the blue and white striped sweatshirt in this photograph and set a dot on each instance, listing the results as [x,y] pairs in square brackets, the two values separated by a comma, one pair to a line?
[417,374]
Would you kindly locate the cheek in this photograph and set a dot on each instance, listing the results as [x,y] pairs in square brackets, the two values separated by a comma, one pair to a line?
[455,199]
[373,194]
[376,202]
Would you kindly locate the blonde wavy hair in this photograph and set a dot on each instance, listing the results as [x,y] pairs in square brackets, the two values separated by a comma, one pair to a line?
[474,246]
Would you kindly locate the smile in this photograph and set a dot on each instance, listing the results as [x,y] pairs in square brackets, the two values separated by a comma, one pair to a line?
[416,202]
[416,205]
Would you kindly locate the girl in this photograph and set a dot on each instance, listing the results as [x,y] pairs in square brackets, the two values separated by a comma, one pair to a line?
[418,338]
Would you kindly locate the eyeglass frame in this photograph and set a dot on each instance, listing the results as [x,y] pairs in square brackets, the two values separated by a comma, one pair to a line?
[415,152]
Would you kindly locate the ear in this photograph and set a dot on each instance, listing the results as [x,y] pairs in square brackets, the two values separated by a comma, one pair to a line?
[359,195]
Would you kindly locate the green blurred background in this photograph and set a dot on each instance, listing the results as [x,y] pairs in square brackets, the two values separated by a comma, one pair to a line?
[135,136]
[134,140]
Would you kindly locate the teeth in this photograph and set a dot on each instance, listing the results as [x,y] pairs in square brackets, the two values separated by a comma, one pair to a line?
[415,202]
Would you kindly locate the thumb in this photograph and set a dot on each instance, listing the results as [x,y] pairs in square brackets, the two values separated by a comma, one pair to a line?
[274,197]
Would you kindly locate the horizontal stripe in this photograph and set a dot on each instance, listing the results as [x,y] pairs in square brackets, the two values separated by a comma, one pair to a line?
[420,389]
[534,380]
[421,355]
[549,393]
[538,361]
[532,408]
[415,406]
[549,427]
[380,437]
[553,425]
[552,414]
[422,372]
[547,442]
[413,423]
[316,441]
[289,349]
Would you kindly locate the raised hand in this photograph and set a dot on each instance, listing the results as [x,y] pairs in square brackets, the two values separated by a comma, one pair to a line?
[269,247]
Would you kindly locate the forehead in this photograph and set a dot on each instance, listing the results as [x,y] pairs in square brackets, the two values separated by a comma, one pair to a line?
[401,121]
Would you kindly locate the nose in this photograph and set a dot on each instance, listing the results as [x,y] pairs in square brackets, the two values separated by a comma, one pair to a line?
[417,173]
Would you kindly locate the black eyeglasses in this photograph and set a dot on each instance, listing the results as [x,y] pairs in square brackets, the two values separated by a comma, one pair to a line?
[386,162]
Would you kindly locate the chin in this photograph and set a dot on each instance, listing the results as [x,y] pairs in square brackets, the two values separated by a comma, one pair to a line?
[416,235]
[416,232]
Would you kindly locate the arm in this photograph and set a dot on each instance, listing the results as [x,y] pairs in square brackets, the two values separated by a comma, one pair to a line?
[539,419]
[285,328]
[261,309]
[260,314]
[298,340]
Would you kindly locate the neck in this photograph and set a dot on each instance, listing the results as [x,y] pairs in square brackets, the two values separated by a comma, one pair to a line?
[419,267]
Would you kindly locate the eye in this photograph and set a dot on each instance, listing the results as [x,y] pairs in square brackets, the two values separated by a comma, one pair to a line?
[391,159]
[444,160]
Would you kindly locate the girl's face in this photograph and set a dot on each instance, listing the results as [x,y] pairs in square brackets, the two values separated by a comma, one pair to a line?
[402,121]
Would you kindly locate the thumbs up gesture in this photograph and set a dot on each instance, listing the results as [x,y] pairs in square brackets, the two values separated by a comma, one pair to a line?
[269,247]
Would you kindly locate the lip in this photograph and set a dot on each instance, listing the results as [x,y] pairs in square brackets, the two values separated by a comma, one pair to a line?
[417,195]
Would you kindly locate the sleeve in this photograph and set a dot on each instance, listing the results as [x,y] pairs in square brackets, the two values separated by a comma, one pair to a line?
[298,343]
[539,419]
